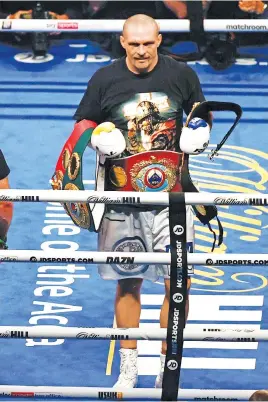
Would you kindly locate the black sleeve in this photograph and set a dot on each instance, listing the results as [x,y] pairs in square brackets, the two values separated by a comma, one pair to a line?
[4,169]
[194,90]
[90,105]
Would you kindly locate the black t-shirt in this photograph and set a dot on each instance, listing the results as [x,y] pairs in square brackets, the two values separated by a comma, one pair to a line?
[4,169]
[147,108]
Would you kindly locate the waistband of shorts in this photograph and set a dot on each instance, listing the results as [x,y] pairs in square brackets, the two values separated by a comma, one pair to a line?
[130,208]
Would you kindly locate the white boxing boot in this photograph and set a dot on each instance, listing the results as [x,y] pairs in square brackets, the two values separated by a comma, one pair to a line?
[159,378]
[128,377]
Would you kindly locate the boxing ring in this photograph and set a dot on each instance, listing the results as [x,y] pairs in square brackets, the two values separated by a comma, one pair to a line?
[206,334]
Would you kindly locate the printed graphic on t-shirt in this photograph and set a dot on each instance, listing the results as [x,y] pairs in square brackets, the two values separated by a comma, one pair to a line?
[151,122]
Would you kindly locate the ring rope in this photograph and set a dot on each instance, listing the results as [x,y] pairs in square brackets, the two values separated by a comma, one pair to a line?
[101,257]
[203,334]
[206,334]
[131,197]
[124,394]
[166,25]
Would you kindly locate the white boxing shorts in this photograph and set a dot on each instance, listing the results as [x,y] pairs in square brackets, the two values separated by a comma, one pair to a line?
[132,230]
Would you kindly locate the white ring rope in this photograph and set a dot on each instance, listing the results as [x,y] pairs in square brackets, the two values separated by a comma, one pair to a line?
[166,25]
[123,394]
[234,334]
[101,257]
[131,197]
[202,334]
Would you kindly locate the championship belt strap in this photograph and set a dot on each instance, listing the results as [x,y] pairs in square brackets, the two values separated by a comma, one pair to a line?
[205,213]
[69,175]
[203,109]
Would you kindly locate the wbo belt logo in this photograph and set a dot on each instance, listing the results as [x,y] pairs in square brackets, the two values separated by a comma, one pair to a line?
[153,176]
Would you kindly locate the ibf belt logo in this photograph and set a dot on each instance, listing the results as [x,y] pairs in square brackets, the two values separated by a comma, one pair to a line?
[172,365]
[178,230]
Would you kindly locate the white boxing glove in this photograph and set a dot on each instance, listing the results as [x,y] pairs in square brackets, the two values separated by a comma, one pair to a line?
[108,140]
[195,138]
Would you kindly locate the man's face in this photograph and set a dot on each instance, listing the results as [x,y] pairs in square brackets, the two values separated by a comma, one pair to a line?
[141,44]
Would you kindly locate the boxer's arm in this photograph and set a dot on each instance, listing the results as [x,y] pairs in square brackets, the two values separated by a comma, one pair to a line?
[195,138]
[90,105]
[6,208]
[194,95]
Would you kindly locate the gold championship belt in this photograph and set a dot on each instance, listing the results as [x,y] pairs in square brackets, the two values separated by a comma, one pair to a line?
[147,171]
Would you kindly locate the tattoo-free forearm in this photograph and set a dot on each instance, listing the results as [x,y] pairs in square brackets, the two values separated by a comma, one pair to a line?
[6,212]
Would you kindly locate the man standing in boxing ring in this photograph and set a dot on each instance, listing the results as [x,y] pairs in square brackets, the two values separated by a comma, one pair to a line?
[132,113]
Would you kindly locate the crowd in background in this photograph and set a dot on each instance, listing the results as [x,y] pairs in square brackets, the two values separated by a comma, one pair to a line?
[156,9]
[220,50]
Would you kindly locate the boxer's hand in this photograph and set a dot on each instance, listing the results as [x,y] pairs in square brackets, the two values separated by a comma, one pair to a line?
[107,140]
[21,14]
[256,7]
[195,138]
[56,16]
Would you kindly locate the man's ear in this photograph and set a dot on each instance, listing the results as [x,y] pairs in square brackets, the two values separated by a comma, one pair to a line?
[122,41]
[159,40]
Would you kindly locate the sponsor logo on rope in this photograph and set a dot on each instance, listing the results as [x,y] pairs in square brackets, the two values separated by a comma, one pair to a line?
[131,200]
[172,365]
[178,230]
[228,330]
[258,201]
[230,201]
[67,25]
[214,398]
[246,201]
[14,334]
[110,395]
[21,394]
[8,198]
[63,259]
[19,334]
[7,24]
[5,334]
[3,259]
[86,335]
[29,198]
[104,200]
[119,337]
[120,260]
[57,259]
[177,297]
[209,261]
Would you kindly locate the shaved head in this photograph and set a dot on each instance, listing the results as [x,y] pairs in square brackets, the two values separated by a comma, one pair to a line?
[140,39]
[140,21]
